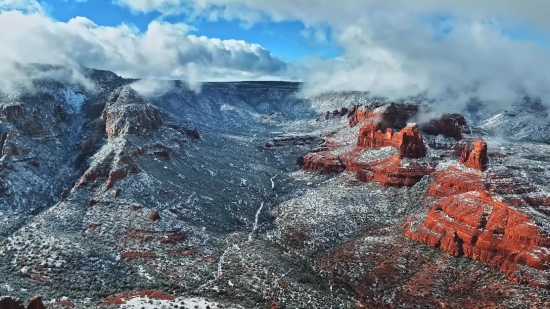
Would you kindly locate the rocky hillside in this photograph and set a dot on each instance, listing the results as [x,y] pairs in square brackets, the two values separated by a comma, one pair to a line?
[245,195]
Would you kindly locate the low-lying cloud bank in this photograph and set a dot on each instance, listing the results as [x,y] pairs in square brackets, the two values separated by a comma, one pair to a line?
[450,50]
[165,50]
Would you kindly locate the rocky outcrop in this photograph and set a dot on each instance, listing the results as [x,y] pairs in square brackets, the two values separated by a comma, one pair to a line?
[478,158]
[64,194]
[114,175]
[36,303]
[408,141]
[127,113]
[475,225]
[323,162]
[455,181]
[10,303]
[154,215]
[391,172]
[469,221]
[449,125]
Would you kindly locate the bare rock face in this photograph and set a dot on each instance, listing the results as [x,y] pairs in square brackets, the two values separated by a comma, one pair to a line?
[324,162]
[154,216]
[475,225]
[126,113]
[391,172]
[10,303]
[408,141]
[114,175]
[455,181]
[478,158]
[469,221]
[36,303]
[64,194]
[449,125]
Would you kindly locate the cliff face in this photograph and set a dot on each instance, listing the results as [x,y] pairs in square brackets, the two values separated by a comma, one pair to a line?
[376,133]
[483,214]
[478,158]
[126,113]
[449,125]
[475,225]
[392,172]
[469,220]
[408,141]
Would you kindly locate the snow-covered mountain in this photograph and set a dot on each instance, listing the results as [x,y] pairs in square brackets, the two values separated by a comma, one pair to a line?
[107,193]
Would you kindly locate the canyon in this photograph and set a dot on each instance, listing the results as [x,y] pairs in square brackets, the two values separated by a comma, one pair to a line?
[249,195]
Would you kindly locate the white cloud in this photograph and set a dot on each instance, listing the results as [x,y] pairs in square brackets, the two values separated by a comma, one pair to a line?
[30,6]
[165,50]
[391,49]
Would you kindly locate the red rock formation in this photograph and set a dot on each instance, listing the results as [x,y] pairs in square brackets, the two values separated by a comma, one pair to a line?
[134,208]
[154,216]
[478,158]
[323,162]
[455,181]
[122,298]
[114,175]
[408,141]
[136,254]
[360,116]
[122,118]
[449,125]
[173,238]
[94,226]
[64,194]
[391,172]
[36,303]
[91,203]
[10,303]
[117,192]
[475,225]
[464,155]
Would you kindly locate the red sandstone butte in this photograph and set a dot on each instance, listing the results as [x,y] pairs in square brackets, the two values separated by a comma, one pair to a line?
[391,172]
[455,181]
[478,158]
[323,162]
[475,225]
[361,115]
[449,125]
[408,141]
[122,298]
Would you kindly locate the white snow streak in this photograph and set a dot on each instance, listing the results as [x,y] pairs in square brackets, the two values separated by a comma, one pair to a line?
[255,226]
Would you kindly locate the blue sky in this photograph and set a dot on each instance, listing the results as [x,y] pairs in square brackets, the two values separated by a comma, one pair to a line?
[284,39]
